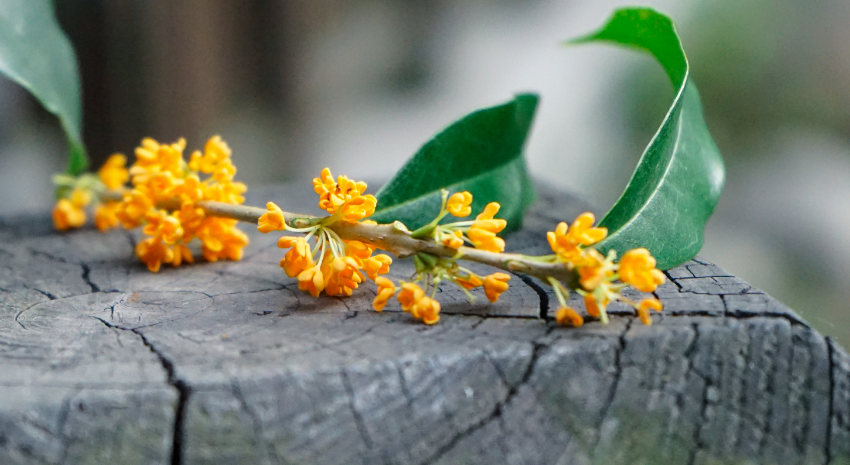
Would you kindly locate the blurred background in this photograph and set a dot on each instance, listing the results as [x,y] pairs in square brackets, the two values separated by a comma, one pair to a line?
[359,85]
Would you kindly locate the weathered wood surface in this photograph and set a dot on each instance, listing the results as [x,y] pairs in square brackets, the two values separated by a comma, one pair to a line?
[103,362]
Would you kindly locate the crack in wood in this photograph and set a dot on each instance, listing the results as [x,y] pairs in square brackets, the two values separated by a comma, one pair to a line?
[496,414]
[828,442]
[183,389]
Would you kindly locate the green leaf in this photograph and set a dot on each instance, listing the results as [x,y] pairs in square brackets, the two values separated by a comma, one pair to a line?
[481,153]
[35,53]
[680,176]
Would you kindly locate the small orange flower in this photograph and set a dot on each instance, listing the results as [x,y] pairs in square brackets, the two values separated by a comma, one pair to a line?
[230,192]
[146,154]
[163,226]
[342,275]
[470,282]
[298,258]
[66,215]
[583,233]
[325,183]
[133,208]
[312,280]
[595,269]
[567,251]
[69,213]
[169,157]
[495,285]
[410,294]
[216,152]
[160,186]
[333,195]
[153,253]
[272,220]
[453,240]
[191,218]
[637,267]
[428,309]
[80,198]
[591,306]
[379,264]
[228,243]
[359,208]
[645,306]
[181,254]
[566,241]
[105,215]
[224,171]
[567,315]
[113,173]
[483,231]
[221,239]
[386,289]
[358,249]
[459,204]
[188,189]
[413,300]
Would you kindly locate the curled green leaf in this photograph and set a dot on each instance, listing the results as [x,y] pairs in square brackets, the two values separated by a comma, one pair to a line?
[481,153]
[680,176]
[35,53]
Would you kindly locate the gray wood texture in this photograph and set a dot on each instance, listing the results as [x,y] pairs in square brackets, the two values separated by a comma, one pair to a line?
[103,362]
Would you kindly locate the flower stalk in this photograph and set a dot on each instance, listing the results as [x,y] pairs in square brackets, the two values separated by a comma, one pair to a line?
[178,202]
[394,238]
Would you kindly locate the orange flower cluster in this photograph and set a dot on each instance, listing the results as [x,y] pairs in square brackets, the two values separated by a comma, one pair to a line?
[597,273]
[481,233]
[414,300]
[411,298]
[334,266]
[494,285]
[637,267]
[343,198]
[568,242]
[161,177]
[335,275]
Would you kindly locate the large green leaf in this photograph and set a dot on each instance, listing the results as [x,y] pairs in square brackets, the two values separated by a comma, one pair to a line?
[481,153]
[35,53]
[680,176]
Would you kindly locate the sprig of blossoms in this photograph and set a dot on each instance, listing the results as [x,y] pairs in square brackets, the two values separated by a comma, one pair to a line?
[174,205]
[336,266]
[164,198]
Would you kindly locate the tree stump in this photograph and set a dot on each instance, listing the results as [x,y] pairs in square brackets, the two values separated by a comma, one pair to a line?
[104,362]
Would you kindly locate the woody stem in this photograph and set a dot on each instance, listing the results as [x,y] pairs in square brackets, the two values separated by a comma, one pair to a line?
[390,237]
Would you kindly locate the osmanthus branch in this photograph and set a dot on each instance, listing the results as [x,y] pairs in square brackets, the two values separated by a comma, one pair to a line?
[394,238]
